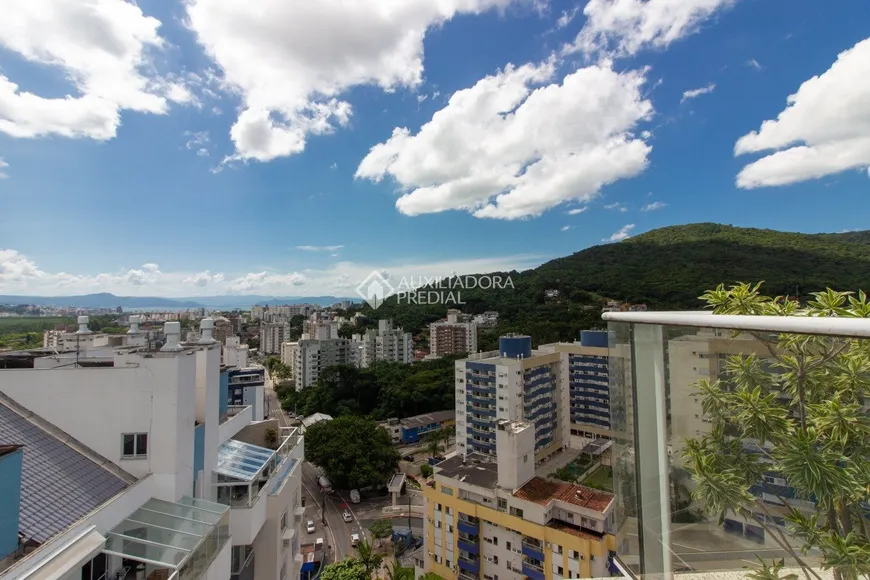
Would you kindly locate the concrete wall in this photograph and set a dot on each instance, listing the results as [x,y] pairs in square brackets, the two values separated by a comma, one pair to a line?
[140,395]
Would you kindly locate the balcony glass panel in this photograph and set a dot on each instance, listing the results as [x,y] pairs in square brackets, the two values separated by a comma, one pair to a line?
[242,461]
[657,368]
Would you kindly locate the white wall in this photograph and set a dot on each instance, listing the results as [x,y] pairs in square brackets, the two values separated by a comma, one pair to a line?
[97,405]
[208,360]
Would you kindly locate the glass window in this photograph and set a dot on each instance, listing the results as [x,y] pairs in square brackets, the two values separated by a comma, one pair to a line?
[134,445]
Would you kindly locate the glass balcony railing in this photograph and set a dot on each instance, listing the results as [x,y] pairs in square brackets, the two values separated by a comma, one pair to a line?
[739,438]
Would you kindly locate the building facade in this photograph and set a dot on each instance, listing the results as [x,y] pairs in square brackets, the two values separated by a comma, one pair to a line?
[488,520]
[167,481]
[385,344]
[272,334]
[452,336]
[513,383]
[308,357]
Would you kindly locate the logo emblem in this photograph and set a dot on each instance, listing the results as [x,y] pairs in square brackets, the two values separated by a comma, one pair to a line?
[375,289]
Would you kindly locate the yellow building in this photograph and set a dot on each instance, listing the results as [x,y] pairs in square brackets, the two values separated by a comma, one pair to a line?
[498,521]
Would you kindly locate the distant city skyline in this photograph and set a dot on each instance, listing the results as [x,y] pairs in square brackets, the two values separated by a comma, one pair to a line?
[211,151]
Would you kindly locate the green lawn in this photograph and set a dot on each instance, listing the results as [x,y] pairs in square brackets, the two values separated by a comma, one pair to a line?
[601,478]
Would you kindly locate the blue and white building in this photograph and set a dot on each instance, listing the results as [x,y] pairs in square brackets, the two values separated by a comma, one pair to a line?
[514,383]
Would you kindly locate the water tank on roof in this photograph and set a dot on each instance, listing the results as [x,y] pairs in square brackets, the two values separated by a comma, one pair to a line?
[597,338]
[515,346]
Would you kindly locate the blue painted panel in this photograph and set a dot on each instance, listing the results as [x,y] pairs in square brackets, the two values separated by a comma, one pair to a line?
[10,491]
[532,573]
[533,553]
[225,393]
[468,546]
[472,567]
[467,528]
[596,338]
[514,346]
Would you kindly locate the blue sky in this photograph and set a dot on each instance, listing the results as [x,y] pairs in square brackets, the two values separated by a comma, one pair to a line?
[207,148]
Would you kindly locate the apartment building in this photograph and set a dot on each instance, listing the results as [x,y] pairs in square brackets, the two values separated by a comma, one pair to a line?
[308,357]
[129,460]
[585,367]
[223,329]
[513,383]
[272,334]
[235,354]
[499,521]
[385,344]
[452,335]
[246,387]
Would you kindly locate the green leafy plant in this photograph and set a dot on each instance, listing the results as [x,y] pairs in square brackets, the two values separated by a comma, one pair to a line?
[426,470]
[367,556]
[347,569]
[381,528]
[799,398]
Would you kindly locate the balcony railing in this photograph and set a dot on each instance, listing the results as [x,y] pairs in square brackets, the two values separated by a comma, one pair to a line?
[658,360]
[243,480]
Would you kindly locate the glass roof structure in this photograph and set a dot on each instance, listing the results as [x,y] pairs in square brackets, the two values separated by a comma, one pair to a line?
[166,534]
[242,461]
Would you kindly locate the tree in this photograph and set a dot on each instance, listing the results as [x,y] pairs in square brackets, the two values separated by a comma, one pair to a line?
[431,576]
[352,451]
[395,571]
[426,470]
[381,529]
[436,440]
[367,556]
[347,569]
[801,399]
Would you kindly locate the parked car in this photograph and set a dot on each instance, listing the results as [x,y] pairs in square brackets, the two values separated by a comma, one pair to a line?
[347,516]
[318,544]
[309,527]
[409,458]
[354,540]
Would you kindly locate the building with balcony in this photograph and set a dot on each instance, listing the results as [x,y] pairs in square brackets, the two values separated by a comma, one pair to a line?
[385,344]
[272,334]
[487,520]
[452,336]
[513,383]
[308,357]
[660,528]
[235,354]
[246,387]
[116,463]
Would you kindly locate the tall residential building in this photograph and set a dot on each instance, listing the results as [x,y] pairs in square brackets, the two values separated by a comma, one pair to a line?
[308,357]
[585,378]
[499,520]
[246,387]
[513,383]
[452,336]
[235,354]
[385,344]
[128,462]
[272,334]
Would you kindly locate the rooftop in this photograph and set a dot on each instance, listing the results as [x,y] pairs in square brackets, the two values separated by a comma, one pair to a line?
[476,469]
[60,483]
[543,491]
[315,418]
[428,419]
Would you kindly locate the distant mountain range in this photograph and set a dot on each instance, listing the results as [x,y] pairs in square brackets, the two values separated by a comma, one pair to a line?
[107,300]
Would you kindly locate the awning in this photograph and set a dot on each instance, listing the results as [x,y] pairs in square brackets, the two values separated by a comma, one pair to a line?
[242,461]
[163,533]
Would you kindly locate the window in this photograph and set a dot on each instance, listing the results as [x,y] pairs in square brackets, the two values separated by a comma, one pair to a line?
[560,571]
[575,554]
[495,559]
[559,551]
[284,521]
[448,511]
[134,445]
[502,504]
[447,490]
[437,507]
[516,512]
[507,545]
[449,529]
[495,542]
[448,563]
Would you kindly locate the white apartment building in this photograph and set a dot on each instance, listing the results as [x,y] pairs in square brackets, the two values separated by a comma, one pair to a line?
[452,336]
[308,357]
[385,344]
[235,354]
[272,334]
[173,482]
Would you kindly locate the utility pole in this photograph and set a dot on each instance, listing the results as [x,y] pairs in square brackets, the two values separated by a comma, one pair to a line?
[410,529]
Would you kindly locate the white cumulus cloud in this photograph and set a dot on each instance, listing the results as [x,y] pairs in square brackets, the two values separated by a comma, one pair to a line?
[102,47]
[653,206]
[693,93]
[517,143]
[625,27]
[291,61]
[3,166]
[319,248]
[621,234]
[825,128]
[577,210]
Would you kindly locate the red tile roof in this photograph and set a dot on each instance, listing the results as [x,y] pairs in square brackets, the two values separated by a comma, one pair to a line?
[543,491]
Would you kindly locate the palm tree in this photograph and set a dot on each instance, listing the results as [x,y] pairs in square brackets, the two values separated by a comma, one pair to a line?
[395,571]
[434,443]
[367,556]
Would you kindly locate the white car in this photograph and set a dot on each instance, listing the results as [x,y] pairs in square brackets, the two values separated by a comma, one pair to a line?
[347,516]
[354,540]
[309,527]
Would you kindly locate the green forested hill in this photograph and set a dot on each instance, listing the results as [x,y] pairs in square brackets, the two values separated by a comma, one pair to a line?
[670,267]
[667,269]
